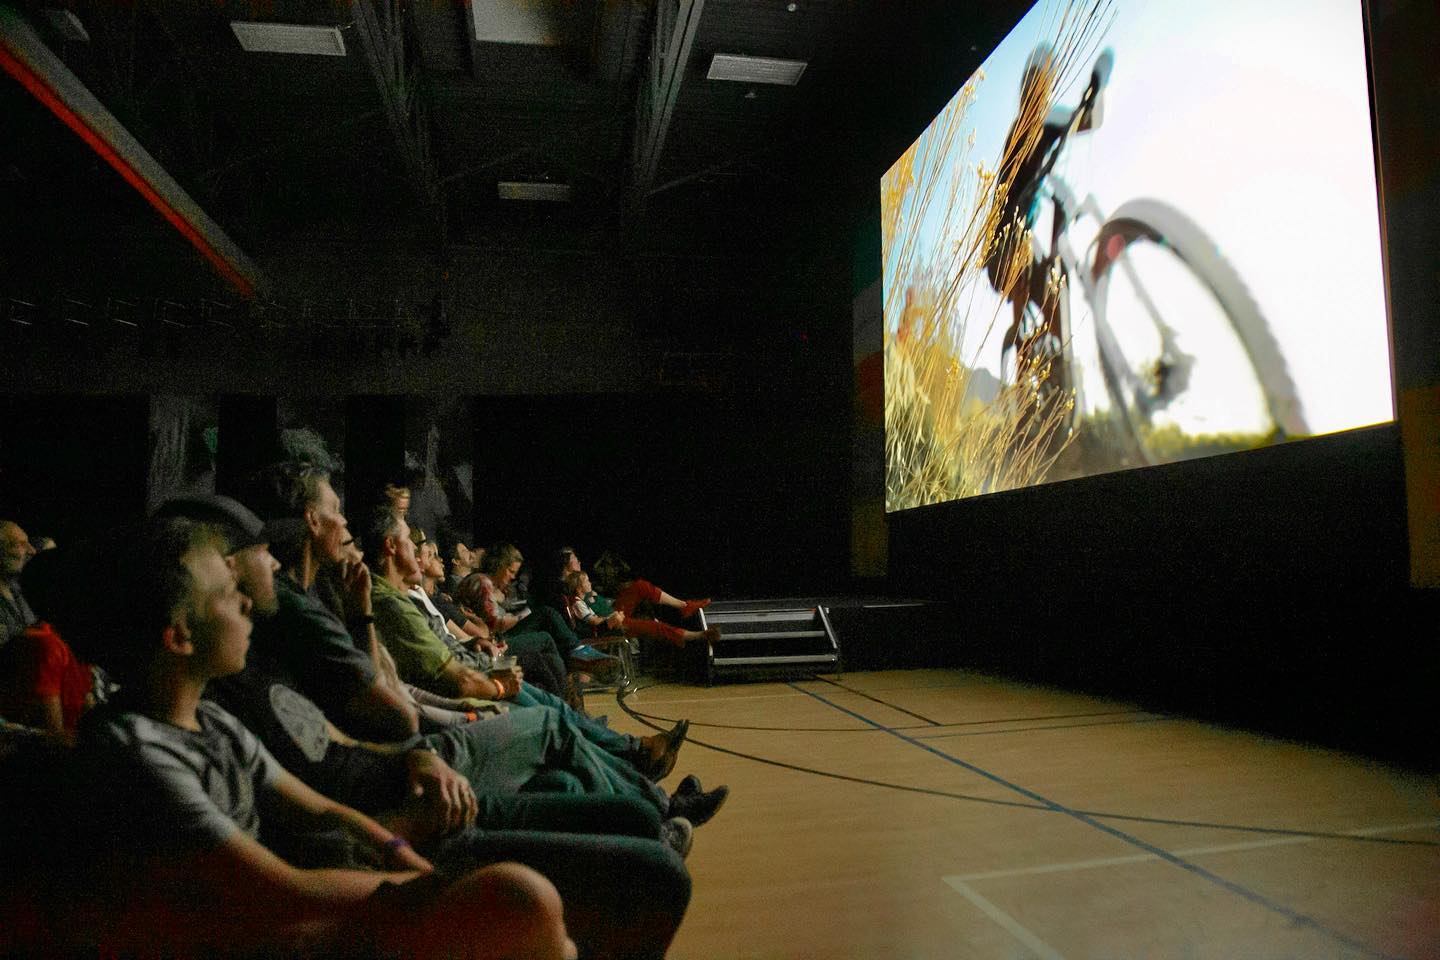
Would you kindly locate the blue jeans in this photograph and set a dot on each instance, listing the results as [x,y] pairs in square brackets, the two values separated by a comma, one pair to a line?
[620,744]
[504,754]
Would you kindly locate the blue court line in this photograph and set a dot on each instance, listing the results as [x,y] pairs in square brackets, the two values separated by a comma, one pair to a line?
[1258,899]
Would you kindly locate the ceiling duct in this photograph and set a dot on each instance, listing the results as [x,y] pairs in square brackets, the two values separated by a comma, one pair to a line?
[741,69]
[522,190]
[289,38]
[535,22]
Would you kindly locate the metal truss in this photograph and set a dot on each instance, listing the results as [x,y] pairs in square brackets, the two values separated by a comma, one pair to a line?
[391,50]
[676,25]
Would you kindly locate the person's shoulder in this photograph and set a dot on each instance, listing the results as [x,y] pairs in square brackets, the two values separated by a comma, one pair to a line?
[117,728]
[286,586]
[297,607]
[292,600]
[380,587]
[212,716]
[388,599]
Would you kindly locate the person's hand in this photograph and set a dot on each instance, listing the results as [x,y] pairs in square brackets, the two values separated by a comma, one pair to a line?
[615,619]
[402,856]
[500,646]
[508,681]
[448,796]
[490,647]
[355,581]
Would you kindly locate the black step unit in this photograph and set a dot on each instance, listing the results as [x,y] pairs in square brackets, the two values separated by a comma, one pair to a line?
[769,637]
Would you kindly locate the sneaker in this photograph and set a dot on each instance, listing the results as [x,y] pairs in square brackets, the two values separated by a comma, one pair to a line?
[698,808]
[588,653]
[678,834]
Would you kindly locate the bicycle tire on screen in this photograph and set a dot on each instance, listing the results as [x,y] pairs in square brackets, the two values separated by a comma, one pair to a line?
[1152,221]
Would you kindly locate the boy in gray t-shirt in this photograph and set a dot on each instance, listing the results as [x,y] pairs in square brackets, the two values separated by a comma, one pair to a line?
[181,788]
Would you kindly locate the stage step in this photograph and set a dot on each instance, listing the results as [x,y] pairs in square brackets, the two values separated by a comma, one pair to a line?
[769,636]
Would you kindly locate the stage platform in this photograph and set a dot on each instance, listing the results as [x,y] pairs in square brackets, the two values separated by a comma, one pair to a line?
[775,637]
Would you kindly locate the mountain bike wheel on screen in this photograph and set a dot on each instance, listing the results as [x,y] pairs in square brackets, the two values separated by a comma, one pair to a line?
[1188,358]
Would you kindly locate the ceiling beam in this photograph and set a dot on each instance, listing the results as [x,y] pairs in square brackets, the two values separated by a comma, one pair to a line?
[676,24]
[384,37]
[25,57]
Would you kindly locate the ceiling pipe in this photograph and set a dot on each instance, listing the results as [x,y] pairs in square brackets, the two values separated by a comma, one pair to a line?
[24,56]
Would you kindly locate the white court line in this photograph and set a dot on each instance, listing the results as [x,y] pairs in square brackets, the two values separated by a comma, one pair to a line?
[960,883]
[1189,852]
[1017,930]
[638,698]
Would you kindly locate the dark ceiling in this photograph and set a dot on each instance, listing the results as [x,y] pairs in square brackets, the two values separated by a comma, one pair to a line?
[279,147]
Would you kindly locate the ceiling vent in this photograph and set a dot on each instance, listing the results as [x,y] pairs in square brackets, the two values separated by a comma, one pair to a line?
[535,22]
[729,66]
[520,190]
[289,38]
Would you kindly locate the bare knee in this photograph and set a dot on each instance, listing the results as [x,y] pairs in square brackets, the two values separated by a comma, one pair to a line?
[506,911]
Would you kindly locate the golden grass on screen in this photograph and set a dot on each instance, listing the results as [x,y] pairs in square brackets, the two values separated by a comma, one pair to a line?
[941,441]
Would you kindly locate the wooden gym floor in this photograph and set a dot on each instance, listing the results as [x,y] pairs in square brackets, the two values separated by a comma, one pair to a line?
[943,814]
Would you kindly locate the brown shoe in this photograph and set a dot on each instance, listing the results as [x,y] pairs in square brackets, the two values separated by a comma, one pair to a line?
[711,634]
[661,749]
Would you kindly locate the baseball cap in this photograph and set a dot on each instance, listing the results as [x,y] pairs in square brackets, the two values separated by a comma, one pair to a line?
[241,525]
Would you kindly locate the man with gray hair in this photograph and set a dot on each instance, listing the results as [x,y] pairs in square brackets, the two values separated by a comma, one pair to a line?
[15,552]
[337,661]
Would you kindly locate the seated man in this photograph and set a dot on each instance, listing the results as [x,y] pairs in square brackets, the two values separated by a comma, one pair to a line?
[177,785]
[42,683]
[337,661]
[15,552]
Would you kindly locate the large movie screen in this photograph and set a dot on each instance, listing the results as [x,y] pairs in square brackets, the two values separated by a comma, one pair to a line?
[1143,231]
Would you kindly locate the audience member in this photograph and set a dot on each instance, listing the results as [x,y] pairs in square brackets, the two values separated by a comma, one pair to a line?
[462,563]
[15,552]
[630,606]
[577,586]
[42,683]
[336,660]
[399,499]
[433,602]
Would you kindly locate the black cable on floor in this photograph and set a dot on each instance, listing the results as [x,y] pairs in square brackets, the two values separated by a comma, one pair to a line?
[861,693]
[621,695]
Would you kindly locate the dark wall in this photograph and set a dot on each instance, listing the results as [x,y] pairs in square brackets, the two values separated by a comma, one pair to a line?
[69,464]
[1267,588]
[731,496]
